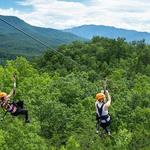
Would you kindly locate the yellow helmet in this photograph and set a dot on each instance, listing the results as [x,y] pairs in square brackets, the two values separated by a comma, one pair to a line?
[100,96]
[2,94]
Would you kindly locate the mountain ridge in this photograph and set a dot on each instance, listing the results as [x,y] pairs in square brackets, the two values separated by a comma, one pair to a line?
[88,31]
[13,41]
[109,26]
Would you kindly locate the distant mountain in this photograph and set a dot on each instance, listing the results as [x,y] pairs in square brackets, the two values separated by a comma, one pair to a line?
[88,31]
[15,42]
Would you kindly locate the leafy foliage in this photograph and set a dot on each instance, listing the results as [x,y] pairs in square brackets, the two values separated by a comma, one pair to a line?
[60,96]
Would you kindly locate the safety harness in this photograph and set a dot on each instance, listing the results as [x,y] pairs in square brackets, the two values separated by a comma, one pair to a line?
[104,118]
[12,108]
[9,107]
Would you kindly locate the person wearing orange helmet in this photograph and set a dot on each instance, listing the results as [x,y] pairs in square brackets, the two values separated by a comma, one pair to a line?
[102,116]
[14,108]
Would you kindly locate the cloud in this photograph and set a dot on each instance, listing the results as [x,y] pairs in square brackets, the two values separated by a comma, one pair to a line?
[10,11]
[129,14]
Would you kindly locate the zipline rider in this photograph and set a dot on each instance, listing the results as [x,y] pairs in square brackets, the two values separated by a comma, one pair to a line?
[102,116]
[14,108]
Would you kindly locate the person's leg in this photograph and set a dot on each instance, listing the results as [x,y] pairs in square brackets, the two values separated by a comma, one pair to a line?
[107,130]
[22,112]
[105,127]
[97,124]
[25,112]
[20,104]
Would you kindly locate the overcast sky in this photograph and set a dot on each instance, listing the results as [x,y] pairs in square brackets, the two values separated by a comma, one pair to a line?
[60,14]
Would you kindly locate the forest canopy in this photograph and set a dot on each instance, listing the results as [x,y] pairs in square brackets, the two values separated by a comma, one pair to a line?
[59,92]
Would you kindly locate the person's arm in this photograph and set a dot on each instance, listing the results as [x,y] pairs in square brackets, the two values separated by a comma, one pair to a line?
[108,103]
[13,91]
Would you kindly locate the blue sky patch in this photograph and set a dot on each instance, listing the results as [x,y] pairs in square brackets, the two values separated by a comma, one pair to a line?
[6,4]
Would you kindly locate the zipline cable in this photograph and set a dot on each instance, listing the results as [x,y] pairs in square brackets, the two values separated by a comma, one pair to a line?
[37,40]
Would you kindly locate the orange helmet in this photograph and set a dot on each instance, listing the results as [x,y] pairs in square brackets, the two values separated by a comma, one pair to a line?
[2,94]
[100,96]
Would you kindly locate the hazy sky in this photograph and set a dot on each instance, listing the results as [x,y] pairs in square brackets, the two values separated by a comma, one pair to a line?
[60,14]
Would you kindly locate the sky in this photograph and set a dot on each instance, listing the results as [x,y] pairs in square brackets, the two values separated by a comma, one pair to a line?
[61,14]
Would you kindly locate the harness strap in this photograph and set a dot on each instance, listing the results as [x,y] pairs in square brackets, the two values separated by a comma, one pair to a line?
[100,110]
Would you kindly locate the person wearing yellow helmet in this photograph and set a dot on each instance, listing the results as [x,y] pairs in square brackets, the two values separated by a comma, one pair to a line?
[14,108]
[2,94]
[4,97]
[102,116]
